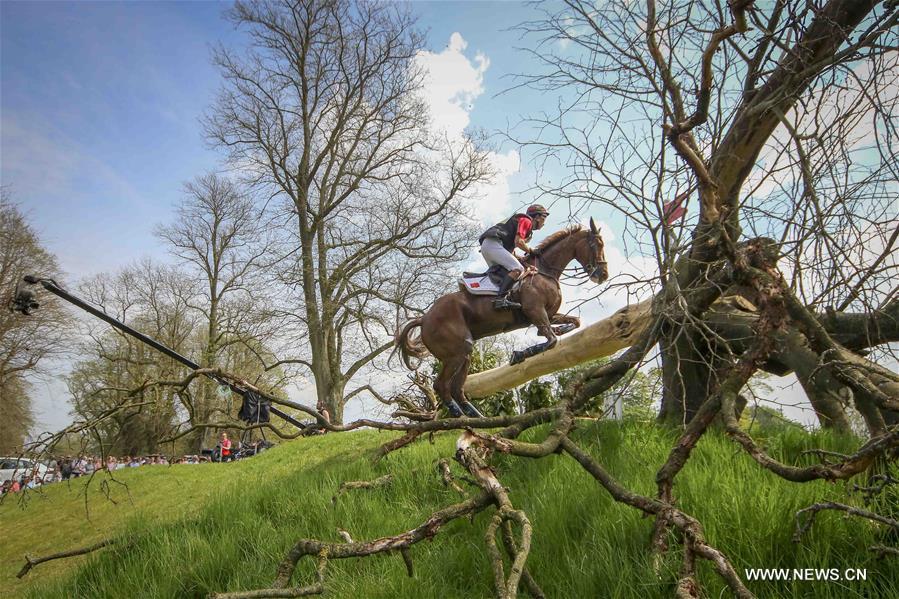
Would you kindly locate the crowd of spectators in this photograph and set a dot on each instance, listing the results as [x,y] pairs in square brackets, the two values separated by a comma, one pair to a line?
[68,467]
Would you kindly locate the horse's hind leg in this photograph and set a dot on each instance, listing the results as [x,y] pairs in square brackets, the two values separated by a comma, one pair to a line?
[451,367]
[446,334]
[457,389]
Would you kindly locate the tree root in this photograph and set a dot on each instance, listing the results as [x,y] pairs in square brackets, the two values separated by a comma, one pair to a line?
[399,443]
[694,539]
[471,449]
[883,551]
[447,477]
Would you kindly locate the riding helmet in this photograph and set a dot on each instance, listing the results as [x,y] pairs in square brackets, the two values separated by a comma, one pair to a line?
[537,210]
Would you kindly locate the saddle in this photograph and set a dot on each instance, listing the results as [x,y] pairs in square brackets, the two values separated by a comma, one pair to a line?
[489,281]
[483,283]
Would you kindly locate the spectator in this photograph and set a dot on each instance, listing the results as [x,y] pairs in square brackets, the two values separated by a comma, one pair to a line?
[323,410]
[65,468]
[80,467]
[54,474]
[225,448]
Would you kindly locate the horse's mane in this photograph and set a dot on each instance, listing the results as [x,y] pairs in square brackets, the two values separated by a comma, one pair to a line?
[557,236]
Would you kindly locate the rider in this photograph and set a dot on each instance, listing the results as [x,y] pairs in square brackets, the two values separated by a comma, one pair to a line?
[498,242]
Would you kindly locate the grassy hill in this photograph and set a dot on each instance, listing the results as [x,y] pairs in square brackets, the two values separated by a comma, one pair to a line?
[220,527]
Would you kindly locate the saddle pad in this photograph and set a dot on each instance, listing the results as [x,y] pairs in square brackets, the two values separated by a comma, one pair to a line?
[478,285]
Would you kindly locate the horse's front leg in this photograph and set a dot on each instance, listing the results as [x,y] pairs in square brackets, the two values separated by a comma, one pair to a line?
[565,323]
[541,321]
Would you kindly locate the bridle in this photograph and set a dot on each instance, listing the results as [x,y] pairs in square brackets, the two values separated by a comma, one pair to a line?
[555,273]
[593,245]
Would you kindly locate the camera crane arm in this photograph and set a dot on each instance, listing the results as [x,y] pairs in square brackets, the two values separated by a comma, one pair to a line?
[24,302]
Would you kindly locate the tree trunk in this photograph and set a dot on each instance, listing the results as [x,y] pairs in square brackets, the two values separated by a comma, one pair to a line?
[686,377]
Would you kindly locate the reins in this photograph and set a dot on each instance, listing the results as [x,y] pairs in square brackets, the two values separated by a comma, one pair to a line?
[555,273]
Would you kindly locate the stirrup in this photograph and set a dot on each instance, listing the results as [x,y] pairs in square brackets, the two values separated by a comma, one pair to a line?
[504,303]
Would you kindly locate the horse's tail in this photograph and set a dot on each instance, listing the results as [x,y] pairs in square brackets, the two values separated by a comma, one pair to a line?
[409,346]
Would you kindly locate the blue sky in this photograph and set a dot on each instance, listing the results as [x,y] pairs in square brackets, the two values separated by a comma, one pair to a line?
[99,119]
[100,106]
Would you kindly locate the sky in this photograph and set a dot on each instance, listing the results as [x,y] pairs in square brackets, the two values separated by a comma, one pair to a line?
[100,107]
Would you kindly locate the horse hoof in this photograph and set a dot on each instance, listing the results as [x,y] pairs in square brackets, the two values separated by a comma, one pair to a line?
[470,410]
[454,410]
[517,357]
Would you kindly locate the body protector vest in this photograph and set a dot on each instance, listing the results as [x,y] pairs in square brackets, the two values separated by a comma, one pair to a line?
[506,232]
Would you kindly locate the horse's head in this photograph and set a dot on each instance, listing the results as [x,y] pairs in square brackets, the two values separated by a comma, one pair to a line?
[592,255]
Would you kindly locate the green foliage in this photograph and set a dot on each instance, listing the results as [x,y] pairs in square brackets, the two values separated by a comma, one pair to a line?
[636,390]
[758,418]
[224,527]
[535,395]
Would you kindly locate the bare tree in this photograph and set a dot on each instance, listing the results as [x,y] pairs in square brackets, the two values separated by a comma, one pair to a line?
[111,385]
[25,344]
[323,112]
[219,236]
[131,398]
[777,122]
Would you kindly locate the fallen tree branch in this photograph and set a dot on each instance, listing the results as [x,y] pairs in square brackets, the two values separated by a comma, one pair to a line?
[468,452]
[31,562]
[447,476]
[883,551]
[689,526]
[597,340]
[397,443]
[316,588]
[813,510]
[381,481]
[327,551]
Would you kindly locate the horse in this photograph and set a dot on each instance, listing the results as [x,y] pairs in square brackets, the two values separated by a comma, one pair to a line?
[453,323]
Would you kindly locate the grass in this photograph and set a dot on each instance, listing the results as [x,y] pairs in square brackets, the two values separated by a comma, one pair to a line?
[221,527]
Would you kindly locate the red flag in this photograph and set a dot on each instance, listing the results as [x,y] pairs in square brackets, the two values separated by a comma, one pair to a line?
[674,211]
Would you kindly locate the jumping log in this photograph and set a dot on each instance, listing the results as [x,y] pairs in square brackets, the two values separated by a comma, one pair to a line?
[597,340]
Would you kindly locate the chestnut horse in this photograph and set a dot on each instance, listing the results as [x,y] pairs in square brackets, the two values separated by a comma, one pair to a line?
[450,328]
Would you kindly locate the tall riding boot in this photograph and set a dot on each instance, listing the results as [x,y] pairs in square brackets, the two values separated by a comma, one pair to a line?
[503,302]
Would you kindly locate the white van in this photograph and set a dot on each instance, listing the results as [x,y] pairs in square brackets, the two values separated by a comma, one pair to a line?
[16,468]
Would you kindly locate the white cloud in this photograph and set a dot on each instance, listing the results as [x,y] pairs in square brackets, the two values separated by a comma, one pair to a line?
[495,197]
[452,84]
